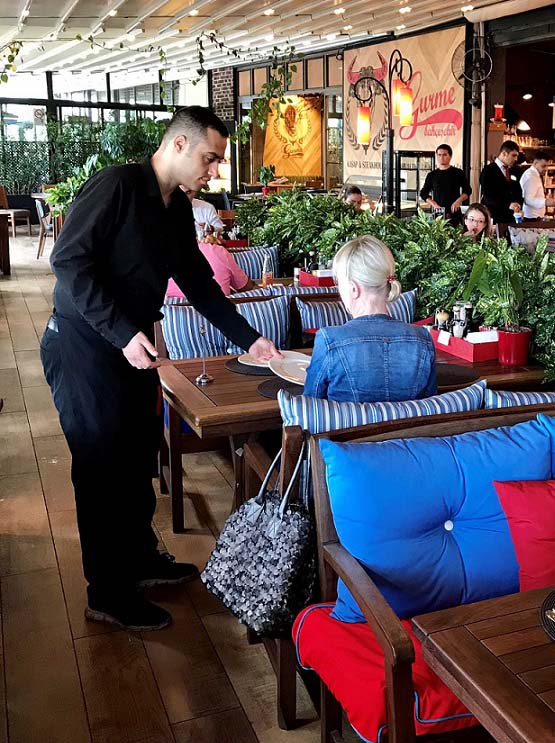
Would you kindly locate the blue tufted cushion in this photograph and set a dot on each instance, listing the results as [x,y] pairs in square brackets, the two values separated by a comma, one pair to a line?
[316,415]
[271,318]
[181,328]
[323,314]
[504,399]
[423,517]
[251,260]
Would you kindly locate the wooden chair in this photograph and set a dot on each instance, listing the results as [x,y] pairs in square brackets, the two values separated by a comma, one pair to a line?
[228,217]
[46,227]
[335,562]
[23,215]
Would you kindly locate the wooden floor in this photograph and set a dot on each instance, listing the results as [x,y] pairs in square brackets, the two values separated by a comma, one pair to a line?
[63,680]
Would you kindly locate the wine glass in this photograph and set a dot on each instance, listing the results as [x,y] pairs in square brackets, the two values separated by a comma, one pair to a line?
[203,378]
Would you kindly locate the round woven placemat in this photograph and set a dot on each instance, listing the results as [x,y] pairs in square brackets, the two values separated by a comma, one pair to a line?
[449,374]
[254,371]
[548,624]
[270,387]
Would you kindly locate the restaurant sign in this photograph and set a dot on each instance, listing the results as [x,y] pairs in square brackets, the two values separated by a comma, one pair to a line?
[438,100]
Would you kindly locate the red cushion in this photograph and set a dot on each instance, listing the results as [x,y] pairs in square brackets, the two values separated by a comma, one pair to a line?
[350,662]
[529,506]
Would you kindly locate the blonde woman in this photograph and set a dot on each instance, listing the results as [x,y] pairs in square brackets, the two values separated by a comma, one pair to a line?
[372,358]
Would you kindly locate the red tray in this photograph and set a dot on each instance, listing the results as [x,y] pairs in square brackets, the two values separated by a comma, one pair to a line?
[308,279]
[465,350]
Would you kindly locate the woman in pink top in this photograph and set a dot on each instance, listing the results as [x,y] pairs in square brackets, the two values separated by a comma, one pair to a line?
[227,273]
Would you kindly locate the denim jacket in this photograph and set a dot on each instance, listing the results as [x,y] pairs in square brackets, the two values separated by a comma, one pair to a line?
[373,358]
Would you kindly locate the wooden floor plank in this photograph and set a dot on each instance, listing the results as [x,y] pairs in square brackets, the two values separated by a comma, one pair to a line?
[16,450]
[43,416]
[190,676]
[10,391]
[30,368]
[3,707]
[225,727]
[25,539]
[55,473]
[123,701]
[254,681]
[45,702]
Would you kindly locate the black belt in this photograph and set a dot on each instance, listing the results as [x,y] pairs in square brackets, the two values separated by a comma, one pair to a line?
[52,324]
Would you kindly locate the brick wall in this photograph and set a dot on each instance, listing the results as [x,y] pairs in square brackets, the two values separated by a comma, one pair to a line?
[223,93]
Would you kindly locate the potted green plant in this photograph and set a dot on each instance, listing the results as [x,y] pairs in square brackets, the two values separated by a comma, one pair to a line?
[496,277]
[266,174]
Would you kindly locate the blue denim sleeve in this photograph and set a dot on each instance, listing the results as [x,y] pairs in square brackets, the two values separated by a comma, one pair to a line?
[431,385]
[317,375]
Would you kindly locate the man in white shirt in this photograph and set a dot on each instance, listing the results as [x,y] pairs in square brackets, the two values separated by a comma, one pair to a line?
[533,191]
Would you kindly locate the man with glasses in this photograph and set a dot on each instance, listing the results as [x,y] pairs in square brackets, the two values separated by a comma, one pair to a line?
[446,187]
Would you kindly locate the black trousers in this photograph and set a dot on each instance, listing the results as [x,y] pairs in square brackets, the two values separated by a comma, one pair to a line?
[110,416]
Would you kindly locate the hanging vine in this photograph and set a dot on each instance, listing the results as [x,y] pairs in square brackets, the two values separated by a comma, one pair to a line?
[8,57]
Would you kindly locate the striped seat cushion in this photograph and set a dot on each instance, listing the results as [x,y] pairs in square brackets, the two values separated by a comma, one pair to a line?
[181,328]
[296,290]
[316,415]
[323,314]
[260,292]
[270,318]
[505,399]
[252,260]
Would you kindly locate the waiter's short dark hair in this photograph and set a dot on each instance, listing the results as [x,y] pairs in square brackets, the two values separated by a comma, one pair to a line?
[446,147]
[541,155]
[350,190]
[193,121]
[509,146]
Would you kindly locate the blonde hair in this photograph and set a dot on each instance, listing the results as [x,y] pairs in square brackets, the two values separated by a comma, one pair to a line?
[370,263]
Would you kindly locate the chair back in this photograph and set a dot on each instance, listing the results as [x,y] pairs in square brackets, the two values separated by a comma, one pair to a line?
[3,198]
[40,207]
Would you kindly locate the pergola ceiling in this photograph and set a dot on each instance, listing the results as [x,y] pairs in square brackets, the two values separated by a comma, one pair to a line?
[48,29]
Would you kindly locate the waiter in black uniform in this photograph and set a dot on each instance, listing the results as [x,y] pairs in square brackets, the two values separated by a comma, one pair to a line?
[446,186]
[130,228]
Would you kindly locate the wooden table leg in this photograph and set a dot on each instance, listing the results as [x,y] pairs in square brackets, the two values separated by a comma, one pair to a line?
[236,443]
[175,483]
[4,246]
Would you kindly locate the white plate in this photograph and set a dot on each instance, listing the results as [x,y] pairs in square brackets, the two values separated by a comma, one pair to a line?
[249,360]
[291,367]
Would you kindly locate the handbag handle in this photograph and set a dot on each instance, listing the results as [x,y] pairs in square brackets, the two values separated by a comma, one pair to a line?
[292,481]
[271,468]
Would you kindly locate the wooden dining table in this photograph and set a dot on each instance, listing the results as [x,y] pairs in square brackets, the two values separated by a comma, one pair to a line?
[496,657]
[232,406]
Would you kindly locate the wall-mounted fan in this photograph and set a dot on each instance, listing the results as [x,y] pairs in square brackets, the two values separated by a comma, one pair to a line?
[472,66]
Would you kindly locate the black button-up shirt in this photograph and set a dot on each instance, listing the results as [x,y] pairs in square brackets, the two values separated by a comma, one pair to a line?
[446,186]
[117,249]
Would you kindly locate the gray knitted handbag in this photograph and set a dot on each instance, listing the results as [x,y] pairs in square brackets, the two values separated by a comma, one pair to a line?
[263,567]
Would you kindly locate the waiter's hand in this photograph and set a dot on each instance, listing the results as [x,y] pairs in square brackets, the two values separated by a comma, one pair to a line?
[456,205]
[263,349]
[137,352]
[515,206]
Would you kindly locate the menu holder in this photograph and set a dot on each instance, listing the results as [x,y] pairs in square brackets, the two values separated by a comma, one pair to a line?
[463,349]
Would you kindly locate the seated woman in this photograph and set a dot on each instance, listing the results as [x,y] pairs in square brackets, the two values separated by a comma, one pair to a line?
[372,358]
[477,221]
[227,273]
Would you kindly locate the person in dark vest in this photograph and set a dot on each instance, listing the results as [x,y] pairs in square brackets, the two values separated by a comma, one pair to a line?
[128,231]
[501,192]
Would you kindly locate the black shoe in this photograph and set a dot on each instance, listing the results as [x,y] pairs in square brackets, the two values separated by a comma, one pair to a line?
[131,612]
[163,570]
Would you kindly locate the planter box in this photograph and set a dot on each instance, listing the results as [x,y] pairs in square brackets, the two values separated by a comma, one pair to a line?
[309,279]
[464,350]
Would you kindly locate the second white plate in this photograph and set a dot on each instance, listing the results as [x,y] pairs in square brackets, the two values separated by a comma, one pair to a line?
[292,367]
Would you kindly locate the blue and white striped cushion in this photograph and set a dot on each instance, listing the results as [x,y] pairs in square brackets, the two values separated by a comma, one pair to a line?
[253,293]
[181,328]
[271,318]
[316,415]
[252,260]
[321,314]
[404,307]
[505,399]
[296,290]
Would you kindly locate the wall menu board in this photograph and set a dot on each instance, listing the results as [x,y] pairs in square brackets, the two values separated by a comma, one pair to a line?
[438,100]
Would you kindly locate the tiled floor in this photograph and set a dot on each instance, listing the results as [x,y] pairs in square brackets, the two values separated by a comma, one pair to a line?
[62,679]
